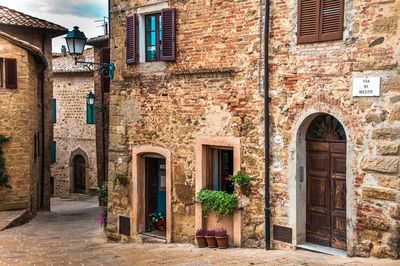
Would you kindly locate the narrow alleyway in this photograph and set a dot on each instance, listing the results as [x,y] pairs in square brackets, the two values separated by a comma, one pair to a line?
[70,235]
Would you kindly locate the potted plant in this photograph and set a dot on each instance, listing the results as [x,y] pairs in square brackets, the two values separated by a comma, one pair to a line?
[201,238]
[158,220]
[243,181]
[222,238]
[210,237]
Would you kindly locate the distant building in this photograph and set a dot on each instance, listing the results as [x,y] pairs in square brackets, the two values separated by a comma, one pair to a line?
[26,87]
[74,163]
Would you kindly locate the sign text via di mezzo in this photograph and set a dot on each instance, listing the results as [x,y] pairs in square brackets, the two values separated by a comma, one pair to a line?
[366,86]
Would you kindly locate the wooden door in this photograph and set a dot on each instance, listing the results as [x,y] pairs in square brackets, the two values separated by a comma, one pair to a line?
[151,189]
[326,194]
[79,174]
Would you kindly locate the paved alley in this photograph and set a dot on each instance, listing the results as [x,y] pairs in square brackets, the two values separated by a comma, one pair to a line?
[70,235]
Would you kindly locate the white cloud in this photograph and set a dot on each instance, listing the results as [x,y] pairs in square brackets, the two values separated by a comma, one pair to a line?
[82,13]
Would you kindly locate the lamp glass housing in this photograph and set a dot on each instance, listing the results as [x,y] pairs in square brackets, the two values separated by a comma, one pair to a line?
[76,41]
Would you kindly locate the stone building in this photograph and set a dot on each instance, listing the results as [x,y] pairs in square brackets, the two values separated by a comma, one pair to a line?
[188,88]
[335,177]
[25,108]
[74,166]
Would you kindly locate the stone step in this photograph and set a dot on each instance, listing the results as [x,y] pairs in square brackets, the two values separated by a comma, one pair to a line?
[9,219]
[15,205]
[150,238]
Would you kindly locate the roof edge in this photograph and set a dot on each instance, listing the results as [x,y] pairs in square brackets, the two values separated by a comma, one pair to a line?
[27,46]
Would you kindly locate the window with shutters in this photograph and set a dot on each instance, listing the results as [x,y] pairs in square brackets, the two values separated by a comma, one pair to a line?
[320,20]
[8,73]
[150,37]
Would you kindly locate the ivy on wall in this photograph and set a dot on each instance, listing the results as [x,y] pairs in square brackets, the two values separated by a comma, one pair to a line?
[4,179]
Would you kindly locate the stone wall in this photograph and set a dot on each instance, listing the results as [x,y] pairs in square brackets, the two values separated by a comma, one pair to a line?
[311,78]
[71,131]
[19,121]
[212,90]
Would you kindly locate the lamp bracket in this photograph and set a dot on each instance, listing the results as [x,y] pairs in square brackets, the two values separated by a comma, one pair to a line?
[104,69]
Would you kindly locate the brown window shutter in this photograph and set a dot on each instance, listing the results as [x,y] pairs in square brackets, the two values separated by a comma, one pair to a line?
[331,22]
[307,26]
[11,73]
[1,72]
[131,32]
[105,58]
[168,46]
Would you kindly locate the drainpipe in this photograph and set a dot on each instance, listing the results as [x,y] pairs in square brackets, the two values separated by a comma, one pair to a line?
[267,209]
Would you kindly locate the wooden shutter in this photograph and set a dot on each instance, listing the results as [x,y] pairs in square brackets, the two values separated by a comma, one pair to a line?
[168,46]
[53,152]
[307,25]
[105,58]
[54,111]
[131,32]
[331,20]
[90,114]
[11,73]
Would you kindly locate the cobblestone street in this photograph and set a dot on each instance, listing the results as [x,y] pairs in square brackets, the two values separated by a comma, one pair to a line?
[69,235]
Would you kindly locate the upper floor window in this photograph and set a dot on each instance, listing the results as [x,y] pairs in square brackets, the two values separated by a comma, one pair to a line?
[8,73]
[150,37]
[153,37]
[320,20]
[219,169]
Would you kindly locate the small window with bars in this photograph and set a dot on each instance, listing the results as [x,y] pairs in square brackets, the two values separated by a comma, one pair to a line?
[8,73]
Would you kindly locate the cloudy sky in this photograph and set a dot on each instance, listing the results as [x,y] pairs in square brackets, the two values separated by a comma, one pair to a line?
[82,13]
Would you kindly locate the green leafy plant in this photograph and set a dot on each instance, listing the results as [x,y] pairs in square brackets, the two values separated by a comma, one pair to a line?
[4,178]
[243,180]
[120,178]
[103,200]
[219,202]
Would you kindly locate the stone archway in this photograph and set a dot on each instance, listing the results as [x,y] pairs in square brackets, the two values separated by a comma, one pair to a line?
[138,199]
[73,154]
[298,180]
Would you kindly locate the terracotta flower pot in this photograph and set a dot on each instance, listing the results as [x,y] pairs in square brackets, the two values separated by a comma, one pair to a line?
[201,241]
[223,241]
[211,242]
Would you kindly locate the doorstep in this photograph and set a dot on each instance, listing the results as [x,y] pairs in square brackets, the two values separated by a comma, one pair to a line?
[9,219]
[322,249]
[147,237]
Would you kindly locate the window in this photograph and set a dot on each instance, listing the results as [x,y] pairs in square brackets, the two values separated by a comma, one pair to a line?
[8,73]
[155,34]
[54,111]
[320,20]
[220,168]
[153,37]
[53,152]
[90,114]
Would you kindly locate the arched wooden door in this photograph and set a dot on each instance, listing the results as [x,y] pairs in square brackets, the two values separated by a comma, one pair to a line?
[79,174]
[326,183]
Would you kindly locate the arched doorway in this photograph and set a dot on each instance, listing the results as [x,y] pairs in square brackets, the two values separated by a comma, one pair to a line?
[79,174]
[326,182]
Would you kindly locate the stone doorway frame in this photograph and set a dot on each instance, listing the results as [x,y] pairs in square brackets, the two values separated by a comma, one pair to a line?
[201,144]
[78,151]
[138,188]
[297,189]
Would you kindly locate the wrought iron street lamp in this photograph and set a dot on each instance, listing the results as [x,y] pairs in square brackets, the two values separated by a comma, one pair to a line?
[90,97]
[76,41]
